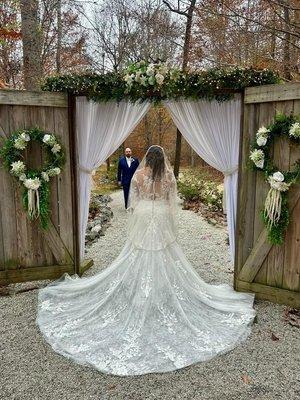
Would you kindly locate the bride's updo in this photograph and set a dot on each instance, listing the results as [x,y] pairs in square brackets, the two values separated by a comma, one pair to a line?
[155,159]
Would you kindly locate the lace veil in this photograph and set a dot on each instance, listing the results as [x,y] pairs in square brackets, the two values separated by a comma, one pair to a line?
[153,201]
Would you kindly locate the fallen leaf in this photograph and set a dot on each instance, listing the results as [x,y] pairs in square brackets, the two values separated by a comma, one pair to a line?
[292,316]
[274,338]
[246,379]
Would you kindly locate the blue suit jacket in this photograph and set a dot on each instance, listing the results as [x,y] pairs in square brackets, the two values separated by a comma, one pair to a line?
[124,172]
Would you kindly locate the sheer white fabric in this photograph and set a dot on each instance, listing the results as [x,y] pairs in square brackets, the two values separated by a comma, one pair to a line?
[213,130]
[101,128]
[149,311]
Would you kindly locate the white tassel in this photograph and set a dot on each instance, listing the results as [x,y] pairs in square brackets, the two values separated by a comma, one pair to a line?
[273,206]
[33,203]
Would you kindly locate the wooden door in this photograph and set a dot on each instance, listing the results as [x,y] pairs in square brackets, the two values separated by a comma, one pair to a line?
[272,272]
[28,252]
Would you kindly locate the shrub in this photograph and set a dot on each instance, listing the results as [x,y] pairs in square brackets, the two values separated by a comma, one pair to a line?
[201,185]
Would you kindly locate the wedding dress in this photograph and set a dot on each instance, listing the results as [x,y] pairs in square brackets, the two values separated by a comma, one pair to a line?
[149,311]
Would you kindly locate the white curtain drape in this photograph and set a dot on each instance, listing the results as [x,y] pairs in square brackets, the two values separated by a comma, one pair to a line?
[100,129]
[213,130]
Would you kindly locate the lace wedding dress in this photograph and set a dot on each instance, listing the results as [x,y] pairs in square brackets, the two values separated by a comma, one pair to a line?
[149,311]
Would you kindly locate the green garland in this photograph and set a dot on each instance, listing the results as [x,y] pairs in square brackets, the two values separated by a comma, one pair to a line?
[35,181]
[276,212]
[215,83]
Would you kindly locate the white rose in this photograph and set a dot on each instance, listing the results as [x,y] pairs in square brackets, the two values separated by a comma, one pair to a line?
[261,141]
[159,78]
[278,176]
[32,183]
[56,148]
[46,138]
[25,137]
[49,139]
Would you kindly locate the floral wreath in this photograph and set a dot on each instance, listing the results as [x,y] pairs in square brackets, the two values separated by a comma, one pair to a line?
[35,182]
[276,212]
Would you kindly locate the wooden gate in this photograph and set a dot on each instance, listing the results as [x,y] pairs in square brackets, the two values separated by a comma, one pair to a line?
[272,272]
[26,251]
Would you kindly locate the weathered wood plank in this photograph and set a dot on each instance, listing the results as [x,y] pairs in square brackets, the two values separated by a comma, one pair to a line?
[27,98]
[64,190]
[262,246]
[85,265]
[247,181]
[4,180]
[266,114]
[270,93]
[35,273]
[291,262]
[270,293]
[57,246]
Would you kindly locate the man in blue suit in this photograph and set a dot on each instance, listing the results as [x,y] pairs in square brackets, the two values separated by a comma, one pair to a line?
[126,168]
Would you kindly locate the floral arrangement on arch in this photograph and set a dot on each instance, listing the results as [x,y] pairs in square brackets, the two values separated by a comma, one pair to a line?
[35,181]
[156,81]
[276,211]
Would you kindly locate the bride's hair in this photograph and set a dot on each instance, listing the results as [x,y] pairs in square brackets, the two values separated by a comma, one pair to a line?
[155,159]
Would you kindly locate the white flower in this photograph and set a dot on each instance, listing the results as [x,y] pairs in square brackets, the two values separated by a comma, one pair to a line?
[22,177]
[20,143]
[258,158]
[261,141]
[17,168]
[143,80]
[278,185]
[25,136]
[128,79]
[53,171]
[49,139]
[151,80]
[56,148]
[138,76]
[295,130]
[32,183]
[150,70]
[278,176]
[45,176]
[159,78]
[263,131]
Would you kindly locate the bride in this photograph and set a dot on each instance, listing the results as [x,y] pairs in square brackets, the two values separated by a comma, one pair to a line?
[149,311]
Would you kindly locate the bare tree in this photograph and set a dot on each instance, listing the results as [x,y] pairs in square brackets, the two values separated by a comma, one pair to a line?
[31,37]
[185,8]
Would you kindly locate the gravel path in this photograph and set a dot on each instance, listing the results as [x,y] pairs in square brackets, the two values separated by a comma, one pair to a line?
[261,368]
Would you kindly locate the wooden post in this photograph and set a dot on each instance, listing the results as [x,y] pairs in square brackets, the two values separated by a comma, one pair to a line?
[74,180]
[237,222]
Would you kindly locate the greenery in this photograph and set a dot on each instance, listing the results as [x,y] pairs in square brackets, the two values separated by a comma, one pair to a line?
[36,180]
[200,185]
[283,126]
[214,83]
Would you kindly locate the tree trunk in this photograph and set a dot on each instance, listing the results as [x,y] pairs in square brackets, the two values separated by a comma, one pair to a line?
[286,44]
[185,60]
[31,38]
[59,37]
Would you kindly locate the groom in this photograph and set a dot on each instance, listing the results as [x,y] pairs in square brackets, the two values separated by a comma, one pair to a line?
[126,168]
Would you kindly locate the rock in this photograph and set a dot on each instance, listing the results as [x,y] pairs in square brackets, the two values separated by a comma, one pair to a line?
[97,228]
